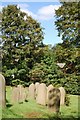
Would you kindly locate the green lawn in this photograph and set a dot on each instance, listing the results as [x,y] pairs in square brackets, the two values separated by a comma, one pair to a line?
[30,109]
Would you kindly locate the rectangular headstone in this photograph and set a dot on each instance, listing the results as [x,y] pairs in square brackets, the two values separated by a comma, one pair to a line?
[15,95]
[54,100]
[36,89]
[2,91]
[22,93]
[41,94]
[48,89]
[31,93]
[62,98]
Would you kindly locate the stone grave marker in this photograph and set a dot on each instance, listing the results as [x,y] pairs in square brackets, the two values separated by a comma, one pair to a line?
[42,94]
[36,88]
[2,92]
[22,93]
[31,94]
[62,98]
[15,95]
[54,100]
[48,89]
[27,92]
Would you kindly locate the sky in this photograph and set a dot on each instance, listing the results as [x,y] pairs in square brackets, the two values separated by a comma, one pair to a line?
[43,12]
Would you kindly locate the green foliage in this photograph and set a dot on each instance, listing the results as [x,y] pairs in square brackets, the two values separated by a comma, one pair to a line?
[67,100]
[46,71]
[21,43]
[72,84]
[18,82]
[67,22]
[70,56]
[25,59]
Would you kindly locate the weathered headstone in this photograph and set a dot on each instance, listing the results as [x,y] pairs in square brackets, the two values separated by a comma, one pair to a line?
[31,94]
[15,95]
[27,92]
[48,89]
[62,98]
[2,91]
[22,93]
[36,89]
[42,94]
[54,100]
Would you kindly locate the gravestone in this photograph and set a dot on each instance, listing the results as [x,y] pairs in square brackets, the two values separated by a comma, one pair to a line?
[2,91]
[54,100]
[22,93]
[62,98]
[27,92]
[32,91]
[42,94]
[48,89]
[15,95]
[36,89]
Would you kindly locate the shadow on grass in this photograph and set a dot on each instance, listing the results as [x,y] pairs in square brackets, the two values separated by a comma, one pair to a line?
[60,117]
[26,100]
[23,102]
[7,101]
[9,105]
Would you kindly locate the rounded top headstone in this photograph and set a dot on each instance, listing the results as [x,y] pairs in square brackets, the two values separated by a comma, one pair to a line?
[2,80]
[2,77]
[62,89]
[62,99]
[37,83]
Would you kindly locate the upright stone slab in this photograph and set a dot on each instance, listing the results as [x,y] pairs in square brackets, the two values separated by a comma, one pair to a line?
[54,100]
[24,96]
[22,93]
[32,91]
[48,89]
[2,91]
[62,98]
[36,89]
[15,95]
[42,94]
[27,92]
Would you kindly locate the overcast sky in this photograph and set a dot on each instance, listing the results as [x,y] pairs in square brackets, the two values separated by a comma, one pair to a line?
[43,12]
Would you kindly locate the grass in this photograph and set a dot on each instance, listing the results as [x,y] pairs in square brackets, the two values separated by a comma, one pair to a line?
[30,109]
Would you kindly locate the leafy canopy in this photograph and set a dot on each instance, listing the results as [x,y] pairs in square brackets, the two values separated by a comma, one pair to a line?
[21,42]
[67,22]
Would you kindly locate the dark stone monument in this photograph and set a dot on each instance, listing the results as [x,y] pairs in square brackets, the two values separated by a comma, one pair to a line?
[54,100]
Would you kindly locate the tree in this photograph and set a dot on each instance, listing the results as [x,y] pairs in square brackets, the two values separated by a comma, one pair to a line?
[47,70]
[21,43]
[71,69]
[67,22]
